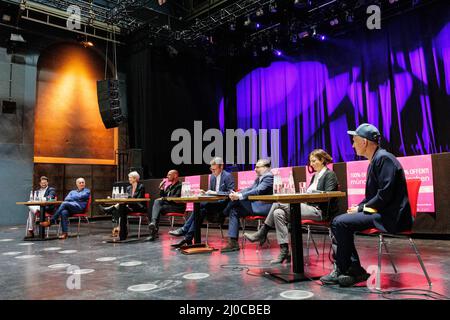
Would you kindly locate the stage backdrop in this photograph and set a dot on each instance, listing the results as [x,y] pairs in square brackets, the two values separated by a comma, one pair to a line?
[397,78]
[68,125]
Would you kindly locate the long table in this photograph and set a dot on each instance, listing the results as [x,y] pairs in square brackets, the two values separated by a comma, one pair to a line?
[294,200]
[42,205]
[197,217]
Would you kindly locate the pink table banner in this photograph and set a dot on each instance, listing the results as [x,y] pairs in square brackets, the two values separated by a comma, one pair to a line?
[195,186]
[415,167]
[309,175]
[356,181]
[246,179]
[420,167]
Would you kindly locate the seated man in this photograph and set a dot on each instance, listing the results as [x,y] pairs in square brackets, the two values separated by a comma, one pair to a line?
[43,191]
[75,202]
[323,180]
[240,206]
[385,206]
[169,187]
[221,182]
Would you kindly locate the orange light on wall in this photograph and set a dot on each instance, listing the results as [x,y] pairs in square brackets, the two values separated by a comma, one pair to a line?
[68,125]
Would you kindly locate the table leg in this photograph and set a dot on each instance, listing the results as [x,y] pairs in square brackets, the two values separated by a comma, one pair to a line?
[297,273]
[197,223]
[41,219]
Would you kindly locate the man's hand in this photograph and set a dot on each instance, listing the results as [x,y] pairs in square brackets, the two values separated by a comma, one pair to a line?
[353,209]
[234,196]
[203,191]
[161,185]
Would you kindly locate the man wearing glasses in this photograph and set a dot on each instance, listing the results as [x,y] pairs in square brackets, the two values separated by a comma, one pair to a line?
[220,182]
[240,205]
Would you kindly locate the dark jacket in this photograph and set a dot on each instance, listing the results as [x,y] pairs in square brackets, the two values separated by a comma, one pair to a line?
[50,193]
[174,190]
[138,193]
[226,184]
[387,193]
[260,187]
[327,182]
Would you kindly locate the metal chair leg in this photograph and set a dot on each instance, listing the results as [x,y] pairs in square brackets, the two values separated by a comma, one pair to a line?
[79,224]
[380,247]
[207,231]
[390,257]
[315,246]
[139,227]
[411,241]
[172,221]
[221,230]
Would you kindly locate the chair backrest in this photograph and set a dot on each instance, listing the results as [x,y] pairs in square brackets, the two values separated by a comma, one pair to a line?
[147,196]
[413,186]
[88,205]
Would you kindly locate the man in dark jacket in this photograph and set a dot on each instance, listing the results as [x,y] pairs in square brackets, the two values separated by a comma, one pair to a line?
[47,192]
[221,182]
[169,187]
[385,207]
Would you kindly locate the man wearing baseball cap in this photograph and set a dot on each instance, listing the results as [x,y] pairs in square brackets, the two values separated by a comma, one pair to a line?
[385,207]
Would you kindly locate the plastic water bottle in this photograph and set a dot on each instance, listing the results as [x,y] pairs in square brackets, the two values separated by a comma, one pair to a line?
[31,196]
[291,186]
[36,196]
[122,193]
[114,192]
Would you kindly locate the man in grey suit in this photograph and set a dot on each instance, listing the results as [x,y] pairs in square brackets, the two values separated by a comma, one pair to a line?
[240,206]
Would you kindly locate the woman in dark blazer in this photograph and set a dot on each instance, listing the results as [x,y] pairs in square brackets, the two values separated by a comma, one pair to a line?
[134,190]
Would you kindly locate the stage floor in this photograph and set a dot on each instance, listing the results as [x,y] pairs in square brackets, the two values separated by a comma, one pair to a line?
[25,271]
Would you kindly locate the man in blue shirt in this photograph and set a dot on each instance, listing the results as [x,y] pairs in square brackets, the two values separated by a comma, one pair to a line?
[75,202]
[240,206]
[385,207]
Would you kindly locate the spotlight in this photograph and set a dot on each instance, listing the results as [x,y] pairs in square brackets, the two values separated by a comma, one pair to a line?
[273,7]
[278,53]
[247,22]
[303,34]
[6,17]
[334,22]
[16,38]
[264,48]
[259,12]
[392,1]
[232,26]
[322,37]
[87,44]
[23,5]
[258,26]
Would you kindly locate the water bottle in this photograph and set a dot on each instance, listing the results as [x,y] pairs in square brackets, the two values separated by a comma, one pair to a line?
[114,193]
[36,196]
[122,193]
[31,196]
[183,189]
[291,186]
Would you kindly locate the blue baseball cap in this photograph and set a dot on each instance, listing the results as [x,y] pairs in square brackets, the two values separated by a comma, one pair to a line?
[368,131]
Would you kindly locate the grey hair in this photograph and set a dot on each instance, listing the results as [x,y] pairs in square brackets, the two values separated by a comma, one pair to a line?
[134,174]
[265,162]
[216,160]
[80,178]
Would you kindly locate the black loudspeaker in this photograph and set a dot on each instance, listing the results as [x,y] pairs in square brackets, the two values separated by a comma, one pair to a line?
[134,158]
[111,95]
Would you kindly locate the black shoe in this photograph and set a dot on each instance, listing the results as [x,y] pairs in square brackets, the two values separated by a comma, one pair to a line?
[177,233]
[284,255]
[355,274]
[183,242]
[107,210]
[153,231]
[332,278]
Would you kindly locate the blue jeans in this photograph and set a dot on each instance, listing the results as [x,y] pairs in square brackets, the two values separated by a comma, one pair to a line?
[64,210]
[235,210]
[343,228]
[205,209]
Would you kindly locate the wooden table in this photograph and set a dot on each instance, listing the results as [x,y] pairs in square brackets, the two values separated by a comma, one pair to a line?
[121,200]
[294,201]
[42,205]
[197,217]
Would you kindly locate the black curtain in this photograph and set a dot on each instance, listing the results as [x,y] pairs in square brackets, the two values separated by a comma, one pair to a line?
[167,91]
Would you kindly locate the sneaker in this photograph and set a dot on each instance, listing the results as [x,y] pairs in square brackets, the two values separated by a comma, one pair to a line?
[332,278]
[355,274]
[177,233]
